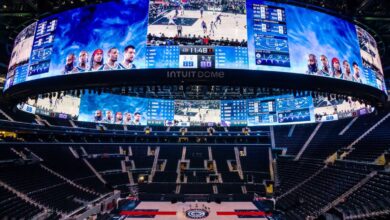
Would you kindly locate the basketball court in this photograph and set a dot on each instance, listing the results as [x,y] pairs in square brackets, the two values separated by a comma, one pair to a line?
[194,210]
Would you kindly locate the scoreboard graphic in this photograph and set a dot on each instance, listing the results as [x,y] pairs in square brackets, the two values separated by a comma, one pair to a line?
[197,57]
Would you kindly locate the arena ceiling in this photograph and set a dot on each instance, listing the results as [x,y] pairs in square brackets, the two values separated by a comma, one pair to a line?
[373,15]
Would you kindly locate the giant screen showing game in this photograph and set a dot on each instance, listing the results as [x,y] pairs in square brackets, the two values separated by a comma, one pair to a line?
[239,34]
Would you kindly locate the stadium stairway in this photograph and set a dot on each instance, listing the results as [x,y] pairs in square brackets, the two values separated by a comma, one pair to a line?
[348,126]
[320,191]
[369,202]
[94,171]
[68,180]
[362,148]
[155,162]
[238,161]
[368,131]
[294,140]
[308,141]
[344,195]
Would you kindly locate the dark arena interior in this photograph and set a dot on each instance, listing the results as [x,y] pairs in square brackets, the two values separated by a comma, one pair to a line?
[194,109]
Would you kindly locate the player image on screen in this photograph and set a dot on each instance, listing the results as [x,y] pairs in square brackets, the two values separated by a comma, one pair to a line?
[128,58]
[336,69]
[69,66]
[325,70]
[111,63]
[118,118]
[98,116]
[108,117]
[127,120]
[347,71]
[312,66]
[197,112]
[137,118]
[97,61]
[199,23]
[82,66]
[116,108]
[356,73]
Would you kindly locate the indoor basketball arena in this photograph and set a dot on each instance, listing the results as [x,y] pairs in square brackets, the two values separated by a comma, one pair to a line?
[195,109]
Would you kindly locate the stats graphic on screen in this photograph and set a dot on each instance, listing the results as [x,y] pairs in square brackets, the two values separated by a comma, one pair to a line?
[140,34]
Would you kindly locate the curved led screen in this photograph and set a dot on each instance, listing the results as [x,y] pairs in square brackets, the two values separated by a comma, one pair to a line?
[109,108]
[141,34]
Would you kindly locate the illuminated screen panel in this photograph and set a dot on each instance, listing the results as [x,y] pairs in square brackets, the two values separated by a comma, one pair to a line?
[114,109]
[330,109]
[119,109]
[287,38]
[20,57]
[233,112]
[160,111]
[231,57]
[285,109]
[100,37]
[197,112]
[162,57]
[139,34]
[208,35]
[372,67]
[280,110]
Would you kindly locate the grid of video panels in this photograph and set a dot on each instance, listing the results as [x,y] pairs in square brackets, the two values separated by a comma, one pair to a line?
[118,109]
[239,34]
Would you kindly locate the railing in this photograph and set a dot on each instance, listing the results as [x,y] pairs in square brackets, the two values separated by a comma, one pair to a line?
[291,131]
[71,122]
[210,153]
[94,171]
[131,178]
[272,132]
[348,126]
[183,153]
[6,115]
[74,153]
